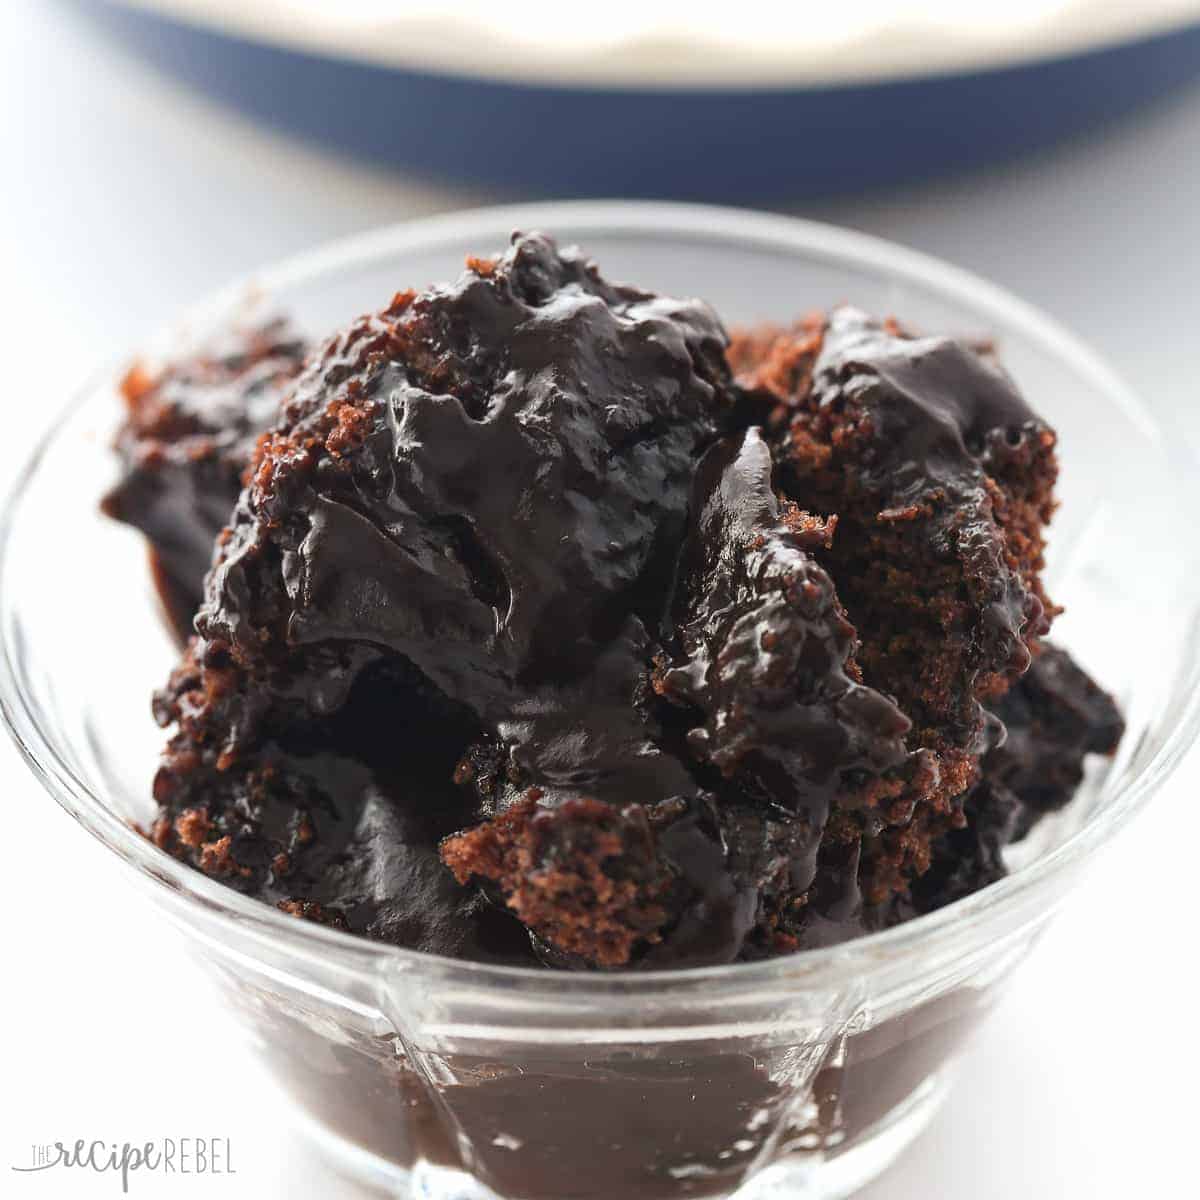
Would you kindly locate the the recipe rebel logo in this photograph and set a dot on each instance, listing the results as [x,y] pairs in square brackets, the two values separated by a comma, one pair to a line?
[161,1156]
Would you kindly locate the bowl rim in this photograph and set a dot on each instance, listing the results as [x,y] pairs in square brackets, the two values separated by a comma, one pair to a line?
[718,224]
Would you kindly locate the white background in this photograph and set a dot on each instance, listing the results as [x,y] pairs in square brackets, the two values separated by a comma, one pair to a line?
[122,198]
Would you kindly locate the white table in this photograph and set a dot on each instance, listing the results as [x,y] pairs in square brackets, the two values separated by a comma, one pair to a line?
[123,197]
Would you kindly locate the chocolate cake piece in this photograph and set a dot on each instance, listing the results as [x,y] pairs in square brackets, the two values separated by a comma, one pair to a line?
[336,821]
[1054,717]
[764,649]
[483,484]
[941,479]
[186,441]
[484,479]
[766,658]
[710,863]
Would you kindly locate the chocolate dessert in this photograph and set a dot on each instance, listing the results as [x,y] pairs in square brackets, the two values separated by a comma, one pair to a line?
[534,621]
[187,439]
[547,625]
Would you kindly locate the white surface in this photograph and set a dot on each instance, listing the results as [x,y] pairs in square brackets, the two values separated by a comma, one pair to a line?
[757,43]
[121,199]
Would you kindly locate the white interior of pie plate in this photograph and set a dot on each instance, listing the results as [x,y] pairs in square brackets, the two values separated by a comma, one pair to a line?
[760,44]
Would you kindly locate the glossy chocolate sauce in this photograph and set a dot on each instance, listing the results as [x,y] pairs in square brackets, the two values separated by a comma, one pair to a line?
[536,634]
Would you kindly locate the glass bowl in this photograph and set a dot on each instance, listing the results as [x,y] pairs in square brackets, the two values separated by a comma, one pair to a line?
[802,1076]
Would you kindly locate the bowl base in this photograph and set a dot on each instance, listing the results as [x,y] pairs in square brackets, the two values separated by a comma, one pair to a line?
[794,1177]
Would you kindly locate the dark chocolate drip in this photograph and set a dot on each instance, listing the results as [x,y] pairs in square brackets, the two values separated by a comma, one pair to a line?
[936,403]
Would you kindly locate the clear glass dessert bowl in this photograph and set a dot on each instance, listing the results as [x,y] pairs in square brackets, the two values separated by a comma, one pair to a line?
[801,1076]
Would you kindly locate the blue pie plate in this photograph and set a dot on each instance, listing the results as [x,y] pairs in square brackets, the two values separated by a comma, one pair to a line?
[741,143]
